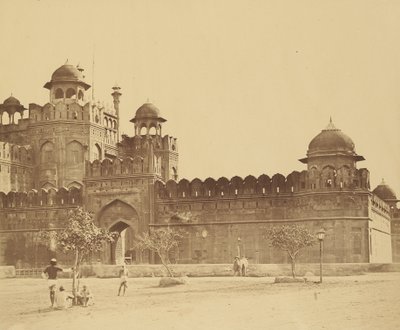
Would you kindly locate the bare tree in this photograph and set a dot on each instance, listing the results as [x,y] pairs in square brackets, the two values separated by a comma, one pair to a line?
[160,241]
[291,238]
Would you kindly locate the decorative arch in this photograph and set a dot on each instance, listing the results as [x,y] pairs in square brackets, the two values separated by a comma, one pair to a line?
[80,95]
[47,152]
[71,93]
[96,152]
[74,152]
[117,211]
[59,94]
[75,184]
[120,217]
[48,185]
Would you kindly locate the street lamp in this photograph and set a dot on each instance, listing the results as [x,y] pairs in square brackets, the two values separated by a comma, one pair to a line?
[238,246]
[321,236]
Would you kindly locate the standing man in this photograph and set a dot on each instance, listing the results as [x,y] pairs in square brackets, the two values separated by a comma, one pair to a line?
[50,273]
[123,275]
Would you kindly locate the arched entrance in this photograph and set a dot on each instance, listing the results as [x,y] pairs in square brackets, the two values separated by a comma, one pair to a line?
[122,218]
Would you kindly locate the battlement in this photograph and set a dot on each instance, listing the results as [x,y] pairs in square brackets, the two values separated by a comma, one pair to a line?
[379,205]
[263,185]
[59,111]
[131,145]
[15,153]
[21,125]
[118,166]
[43,197]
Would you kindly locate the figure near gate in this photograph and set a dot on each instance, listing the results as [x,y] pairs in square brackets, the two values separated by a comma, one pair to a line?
[240,266]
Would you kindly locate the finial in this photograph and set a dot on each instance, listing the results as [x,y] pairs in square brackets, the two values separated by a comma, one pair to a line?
[383,183]
[330,126]
[66,62]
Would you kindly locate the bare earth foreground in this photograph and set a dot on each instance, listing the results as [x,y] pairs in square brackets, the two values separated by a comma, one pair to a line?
[355,302]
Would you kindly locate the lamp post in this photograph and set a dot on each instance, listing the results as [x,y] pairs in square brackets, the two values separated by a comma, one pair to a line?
[321,236]
[238,246]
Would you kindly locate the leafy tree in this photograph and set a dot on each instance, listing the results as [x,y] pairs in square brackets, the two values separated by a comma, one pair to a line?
[160,241]
[82,237]
[291,238]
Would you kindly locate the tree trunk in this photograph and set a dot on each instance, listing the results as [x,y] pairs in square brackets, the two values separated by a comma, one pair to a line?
[74,277]
[293,261]
[165,264]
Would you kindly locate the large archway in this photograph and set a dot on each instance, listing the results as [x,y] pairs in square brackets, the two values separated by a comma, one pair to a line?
[122,218]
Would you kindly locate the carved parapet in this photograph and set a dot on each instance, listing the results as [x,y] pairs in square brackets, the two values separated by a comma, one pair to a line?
[43,197]
[264,185]
[116,167]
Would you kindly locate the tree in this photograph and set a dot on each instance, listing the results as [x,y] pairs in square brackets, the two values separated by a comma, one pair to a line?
[291,238]
[160,241]
[81,237]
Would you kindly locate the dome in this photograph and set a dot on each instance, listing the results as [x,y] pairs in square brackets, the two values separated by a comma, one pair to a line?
[11,101]
[384,192]
[147,110]
[67,72]
[331,139]
[331,142]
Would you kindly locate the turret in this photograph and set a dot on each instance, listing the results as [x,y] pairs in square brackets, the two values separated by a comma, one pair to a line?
[67,85]
[331,160]
[10,107]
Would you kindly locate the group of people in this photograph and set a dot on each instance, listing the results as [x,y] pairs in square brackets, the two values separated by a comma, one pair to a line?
[59,298]
[240,266]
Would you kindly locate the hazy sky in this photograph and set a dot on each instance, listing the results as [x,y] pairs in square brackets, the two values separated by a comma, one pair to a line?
[244,85]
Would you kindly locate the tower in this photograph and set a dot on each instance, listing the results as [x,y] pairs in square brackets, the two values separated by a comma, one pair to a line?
[116,95]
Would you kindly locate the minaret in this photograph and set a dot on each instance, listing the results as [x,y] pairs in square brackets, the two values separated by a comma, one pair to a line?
[116,94]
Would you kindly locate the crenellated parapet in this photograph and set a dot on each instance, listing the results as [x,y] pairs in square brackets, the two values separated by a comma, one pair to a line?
[263,185]
[380,206]
[42,197]
[131,146]
[59,111]
[116,167]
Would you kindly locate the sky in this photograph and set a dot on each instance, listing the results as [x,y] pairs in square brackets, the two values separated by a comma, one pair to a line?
[244,85]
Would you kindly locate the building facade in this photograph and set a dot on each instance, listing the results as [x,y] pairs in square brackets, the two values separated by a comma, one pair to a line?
[69,153]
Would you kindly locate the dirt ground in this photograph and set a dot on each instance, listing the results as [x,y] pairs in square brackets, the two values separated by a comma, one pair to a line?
[354,302]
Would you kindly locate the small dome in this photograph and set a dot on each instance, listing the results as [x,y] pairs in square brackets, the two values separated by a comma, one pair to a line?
[384,192]
[147,110]
[331,139]
[11,101]
[67,72]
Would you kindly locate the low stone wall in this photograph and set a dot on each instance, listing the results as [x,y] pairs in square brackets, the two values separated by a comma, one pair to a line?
[7,271]
[259,270]
[202,270]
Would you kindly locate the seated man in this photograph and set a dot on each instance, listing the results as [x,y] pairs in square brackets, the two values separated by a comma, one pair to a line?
[63,299]
[85,297]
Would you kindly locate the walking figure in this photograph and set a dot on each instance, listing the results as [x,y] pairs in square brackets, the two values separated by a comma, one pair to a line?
[123,275]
